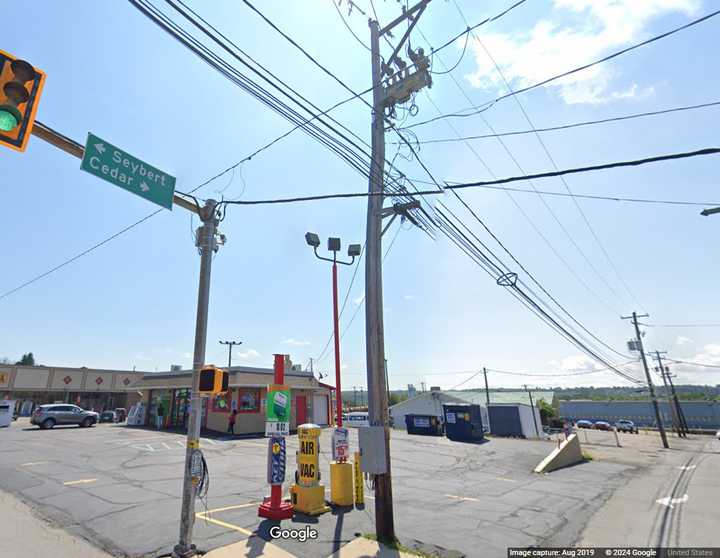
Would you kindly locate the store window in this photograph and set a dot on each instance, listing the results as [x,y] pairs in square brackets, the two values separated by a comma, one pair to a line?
[221,403]
[249,400]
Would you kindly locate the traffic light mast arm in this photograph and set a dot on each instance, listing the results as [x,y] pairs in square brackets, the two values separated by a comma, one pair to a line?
[70,146]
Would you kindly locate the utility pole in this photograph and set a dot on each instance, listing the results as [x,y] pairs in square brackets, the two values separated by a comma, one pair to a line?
[206,244]
[681,413]
[487,391]
[401,86]
[677,426]
[651,388]
[532,408]
[230,345]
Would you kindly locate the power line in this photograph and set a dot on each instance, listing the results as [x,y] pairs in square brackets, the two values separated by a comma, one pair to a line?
[483,183]
[602,198]
[681,325]
[488,104]
[589,226]
[691,363]
[568,126]
[544,237]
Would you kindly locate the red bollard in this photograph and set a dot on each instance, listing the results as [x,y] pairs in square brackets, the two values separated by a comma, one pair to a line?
[273,507]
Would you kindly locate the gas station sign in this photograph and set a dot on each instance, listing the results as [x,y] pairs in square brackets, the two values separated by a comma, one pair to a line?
[276,460]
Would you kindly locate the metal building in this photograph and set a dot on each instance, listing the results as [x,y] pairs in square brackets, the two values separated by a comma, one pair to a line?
[699,414]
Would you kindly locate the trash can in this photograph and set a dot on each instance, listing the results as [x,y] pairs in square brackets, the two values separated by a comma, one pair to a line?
[463,422]
[425,425]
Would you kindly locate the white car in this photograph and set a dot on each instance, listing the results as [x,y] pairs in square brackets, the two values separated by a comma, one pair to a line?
[717,434]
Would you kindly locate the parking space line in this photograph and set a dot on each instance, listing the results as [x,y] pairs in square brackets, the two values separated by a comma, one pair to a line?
[204,516]
[505,479]
[33,463]
[462,498]
[81,481]
[166,446]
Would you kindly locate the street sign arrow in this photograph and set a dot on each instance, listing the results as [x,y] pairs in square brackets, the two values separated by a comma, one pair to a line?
[130,173]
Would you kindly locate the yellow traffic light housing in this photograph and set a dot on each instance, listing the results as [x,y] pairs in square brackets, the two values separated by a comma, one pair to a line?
[20,87]
[213,380]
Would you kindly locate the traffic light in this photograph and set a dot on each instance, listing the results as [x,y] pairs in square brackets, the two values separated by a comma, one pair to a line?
[213,380]
[20,89]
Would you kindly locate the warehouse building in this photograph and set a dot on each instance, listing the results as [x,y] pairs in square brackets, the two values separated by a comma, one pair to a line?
[431,402]
[90,388]
[699,414]
[310,399]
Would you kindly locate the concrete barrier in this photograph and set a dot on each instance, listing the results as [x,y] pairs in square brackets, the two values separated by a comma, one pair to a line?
[567,453]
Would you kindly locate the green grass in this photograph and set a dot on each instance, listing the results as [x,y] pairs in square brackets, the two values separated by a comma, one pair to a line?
[396,545]
[587,456]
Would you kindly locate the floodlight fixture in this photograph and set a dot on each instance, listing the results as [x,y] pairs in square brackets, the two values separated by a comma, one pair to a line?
[312,239]
[333,244]
[354,250]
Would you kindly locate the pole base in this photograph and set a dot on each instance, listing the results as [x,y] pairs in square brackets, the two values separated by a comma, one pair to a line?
[184,552]
[284,510]
[341,484]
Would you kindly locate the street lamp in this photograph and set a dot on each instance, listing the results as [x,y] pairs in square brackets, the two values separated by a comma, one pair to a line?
[353,251]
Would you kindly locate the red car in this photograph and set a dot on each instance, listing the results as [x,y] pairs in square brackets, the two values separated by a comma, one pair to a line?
[602,425]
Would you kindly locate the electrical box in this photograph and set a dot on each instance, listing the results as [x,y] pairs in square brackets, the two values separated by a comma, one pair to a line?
[372,450]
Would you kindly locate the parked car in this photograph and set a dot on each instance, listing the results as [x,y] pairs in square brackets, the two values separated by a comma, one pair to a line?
[108,416]
[626,426]
[602,425]
[717,434]
[47,416]
[121,413]
[584,424]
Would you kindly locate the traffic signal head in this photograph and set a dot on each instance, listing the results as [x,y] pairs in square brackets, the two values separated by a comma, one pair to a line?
[213,380]
[20,89]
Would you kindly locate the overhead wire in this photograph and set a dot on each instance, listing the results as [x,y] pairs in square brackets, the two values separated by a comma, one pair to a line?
[542,143]
[475,110]
[572,125]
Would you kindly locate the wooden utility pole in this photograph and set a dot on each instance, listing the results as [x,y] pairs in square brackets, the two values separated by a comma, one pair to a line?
[651,388]
[402,84]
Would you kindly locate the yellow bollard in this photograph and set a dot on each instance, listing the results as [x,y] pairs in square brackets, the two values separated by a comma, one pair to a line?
[359,485]
[341,484]
[308,495]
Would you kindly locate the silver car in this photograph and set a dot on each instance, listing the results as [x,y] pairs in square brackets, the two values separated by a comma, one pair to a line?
[47,416]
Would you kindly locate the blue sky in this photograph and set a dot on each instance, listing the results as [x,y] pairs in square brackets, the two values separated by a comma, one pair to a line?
[132,302]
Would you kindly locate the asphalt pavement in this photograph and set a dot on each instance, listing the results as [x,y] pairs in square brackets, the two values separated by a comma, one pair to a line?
[120,488]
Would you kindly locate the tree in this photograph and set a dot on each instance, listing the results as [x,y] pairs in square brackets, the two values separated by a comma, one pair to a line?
[547,411]
[26,360]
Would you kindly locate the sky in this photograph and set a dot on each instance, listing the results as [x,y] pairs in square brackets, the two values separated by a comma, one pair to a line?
[132,302]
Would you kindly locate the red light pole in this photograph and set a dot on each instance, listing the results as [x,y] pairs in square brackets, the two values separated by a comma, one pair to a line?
[353,251]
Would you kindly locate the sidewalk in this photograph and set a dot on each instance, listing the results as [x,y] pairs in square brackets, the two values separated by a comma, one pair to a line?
[24,534]
[254,546]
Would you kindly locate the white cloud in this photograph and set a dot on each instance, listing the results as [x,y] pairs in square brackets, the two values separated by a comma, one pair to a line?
[295,342]
[682,340]
[709,355]
[575,33]
[408,297]
[249,354]
[141,356]
[359,300]
[187,355]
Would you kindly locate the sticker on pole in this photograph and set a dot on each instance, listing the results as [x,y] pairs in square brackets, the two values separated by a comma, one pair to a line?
[276,460]
[277,410]
[340,444]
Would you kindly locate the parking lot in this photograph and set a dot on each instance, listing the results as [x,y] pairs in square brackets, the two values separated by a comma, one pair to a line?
[119,488]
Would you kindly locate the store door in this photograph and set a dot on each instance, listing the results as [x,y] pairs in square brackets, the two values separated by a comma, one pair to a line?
[301,409]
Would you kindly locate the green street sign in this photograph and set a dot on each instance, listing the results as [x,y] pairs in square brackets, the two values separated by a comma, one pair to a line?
[106,161]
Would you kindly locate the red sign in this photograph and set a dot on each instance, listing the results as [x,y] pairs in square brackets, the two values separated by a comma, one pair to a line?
[126,381]
[98,380]
[67,380]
